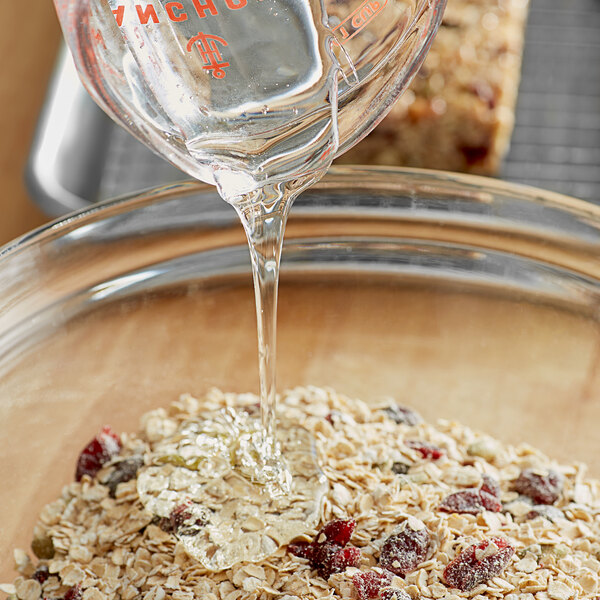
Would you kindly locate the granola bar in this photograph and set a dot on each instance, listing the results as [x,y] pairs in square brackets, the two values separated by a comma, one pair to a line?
[458,114]
[413,511]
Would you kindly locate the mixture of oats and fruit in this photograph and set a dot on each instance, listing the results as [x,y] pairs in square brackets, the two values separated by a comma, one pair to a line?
[412,511]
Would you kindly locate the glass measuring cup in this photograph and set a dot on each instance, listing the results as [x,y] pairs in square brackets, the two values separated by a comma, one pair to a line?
[258,99]
[248,86]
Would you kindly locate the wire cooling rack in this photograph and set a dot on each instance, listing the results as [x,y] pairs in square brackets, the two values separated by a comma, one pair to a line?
[556,141]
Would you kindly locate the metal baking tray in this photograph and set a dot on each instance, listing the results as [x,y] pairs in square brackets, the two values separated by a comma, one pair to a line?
[79,156]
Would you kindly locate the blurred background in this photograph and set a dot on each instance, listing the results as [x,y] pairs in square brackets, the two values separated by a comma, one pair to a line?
[511,89]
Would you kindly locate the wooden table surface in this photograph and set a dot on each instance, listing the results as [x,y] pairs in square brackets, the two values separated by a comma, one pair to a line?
[24,73]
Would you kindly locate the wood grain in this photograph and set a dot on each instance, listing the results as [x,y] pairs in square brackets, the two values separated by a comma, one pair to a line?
[29,36]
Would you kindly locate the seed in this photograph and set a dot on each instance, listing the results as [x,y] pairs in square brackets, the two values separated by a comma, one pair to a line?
[125,470]
[43,547]
[400,468]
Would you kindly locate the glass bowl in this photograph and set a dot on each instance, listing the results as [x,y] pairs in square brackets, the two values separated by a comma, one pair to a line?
[466,298]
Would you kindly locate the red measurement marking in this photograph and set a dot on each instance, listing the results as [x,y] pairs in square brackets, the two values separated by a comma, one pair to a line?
[359,19]
[146,13]
[235,4]
[176,11]
[211,56]
[202,8]
[119,12]
[326,152]
[97,35]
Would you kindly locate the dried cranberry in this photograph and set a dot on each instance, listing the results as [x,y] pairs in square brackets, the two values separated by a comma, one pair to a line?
[41,574]
[73,593]
[125,470]
[547,511]
[321,555]
[328,552]
[475,154]
[542,489]
[474,566]
[301,549]
[490,485]
[471,502]
[403,551]
[425,449]
[345,557]
[97,453]
[329,558]
[182,516]
[490,502]
[401,414]
[393,593]
[369,584]
[338,531]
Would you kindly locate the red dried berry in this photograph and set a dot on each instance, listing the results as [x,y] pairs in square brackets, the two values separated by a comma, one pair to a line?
[41,574]
[97,453]
[330,558]
[393,593]
[328,552]
[425,449]
[321,555]
[301,549]
[542,489]
[73,593]
[474,566]
[402,414]
[180,514]
[490,485]
[185,519]
[547,511]
[338,531]
[369,584]
[470,502]
[346,557]
[490,502]
[403,551]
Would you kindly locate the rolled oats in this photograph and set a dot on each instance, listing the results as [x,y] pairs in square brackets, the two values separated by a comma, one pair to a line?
[116,550]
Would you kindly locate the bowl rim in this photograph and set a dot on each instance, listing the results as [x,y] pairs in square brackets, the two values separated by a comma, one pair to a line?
[377,177]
